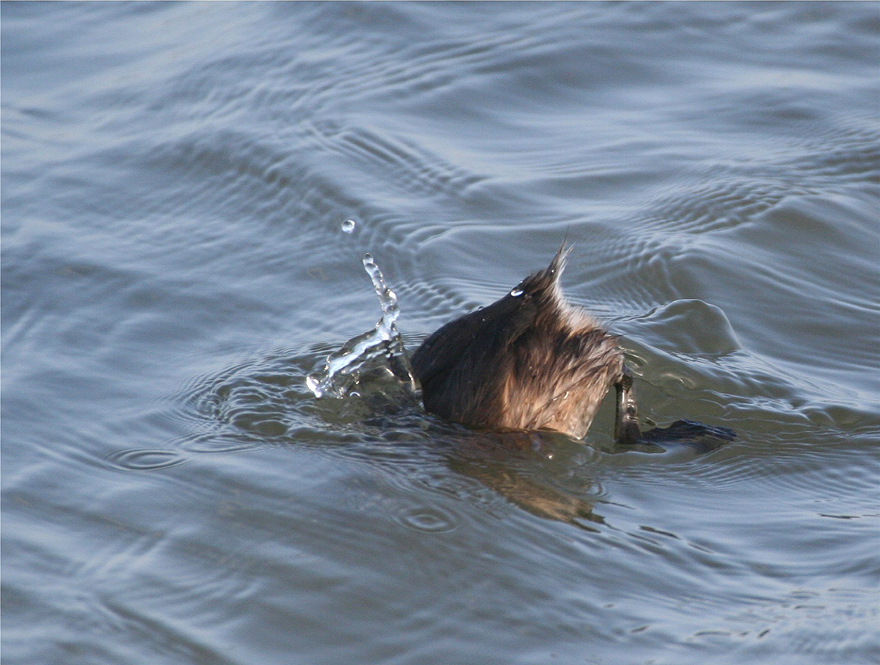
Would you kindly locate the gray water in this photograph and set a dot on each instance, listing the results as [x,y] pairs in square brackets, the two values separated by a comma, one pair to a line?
[175,178]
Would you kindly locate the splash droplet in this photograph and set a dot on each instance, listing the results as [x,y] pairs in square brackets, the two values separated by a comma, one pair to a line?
[516,292]
[383,344]
[348,226]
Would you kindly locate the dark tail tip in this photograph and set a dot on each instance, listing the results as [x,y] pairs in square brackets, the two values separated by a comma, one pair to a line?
[557,265]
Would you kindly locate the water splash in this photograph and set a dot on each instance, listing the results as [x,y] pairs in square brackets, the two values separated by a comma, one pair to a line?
[380,346]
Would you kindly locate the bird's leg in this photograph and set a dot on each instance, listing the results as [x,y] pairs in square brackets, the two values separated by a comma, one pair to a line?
[626,424]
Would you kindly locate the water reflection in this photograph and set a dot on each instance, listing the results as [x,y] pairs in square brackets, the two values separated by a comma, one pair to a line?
[515,466]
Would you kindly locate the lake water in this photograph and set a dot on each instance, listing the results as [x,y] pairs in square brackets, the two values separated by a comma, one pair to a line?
[175,181]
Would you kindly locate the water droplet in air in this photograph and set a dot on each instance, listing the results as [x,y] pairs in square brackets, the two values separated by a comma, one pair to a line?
[516,292]
[348,226]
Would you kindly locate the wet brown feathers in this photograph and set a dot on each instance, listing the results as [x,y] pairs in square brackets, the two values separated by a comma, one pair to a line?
[529,361]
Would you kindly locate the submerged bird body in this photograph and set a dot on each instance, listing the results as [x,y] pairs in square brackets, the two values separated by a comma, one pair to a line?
[529,361]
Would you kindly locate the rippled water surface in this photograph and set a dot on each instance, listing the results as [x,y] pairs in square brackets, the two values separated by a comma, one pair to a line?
[175,183]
